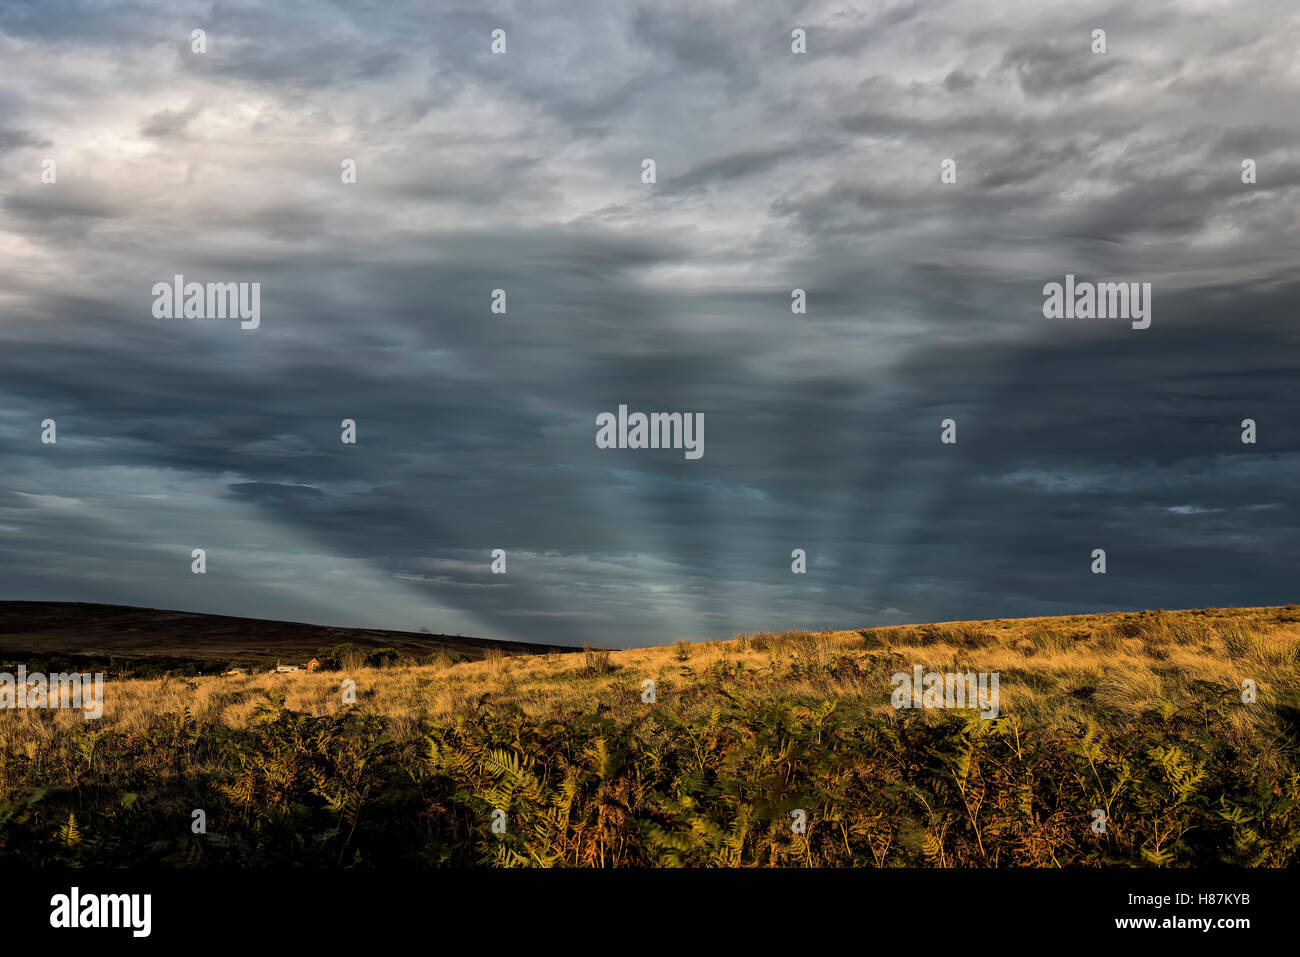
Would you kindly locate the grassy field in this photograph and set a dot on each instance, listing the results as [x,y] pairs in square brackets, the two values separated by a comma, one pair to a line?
[1139,716]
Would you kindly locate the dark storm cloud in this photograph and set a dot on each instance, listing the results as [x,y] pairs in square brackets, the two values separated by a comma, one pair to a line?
[1045,69]
[522,172]
[17,139]
[44,208]
[169,122]
[958,80]
[734,166]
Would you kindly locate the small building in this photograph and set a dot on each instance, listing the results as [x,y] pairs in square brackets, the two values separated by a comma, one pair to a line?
[284,669]
[313,665]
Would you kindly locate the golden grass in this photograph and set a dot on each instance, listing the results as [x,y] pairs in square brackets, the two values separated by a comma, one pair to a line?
[1050,668]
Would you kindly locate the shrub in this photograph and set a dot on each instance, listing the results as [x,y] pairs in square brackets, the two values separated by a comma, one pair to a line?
[1240,640]
[597,660]
[1047,639]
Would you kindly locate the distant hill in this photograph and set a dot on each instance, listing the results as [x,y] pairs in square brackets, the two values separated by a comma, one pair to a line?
[81,628]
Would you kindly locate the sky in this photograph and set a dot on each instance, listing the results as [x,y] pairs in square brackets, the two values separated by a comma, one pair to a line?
[773,171]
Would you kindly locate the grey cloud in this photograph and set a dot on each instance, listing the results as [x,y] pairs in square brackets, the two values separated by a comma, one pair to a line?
[476,431]
[20,139]
[1045,69]
[167,123]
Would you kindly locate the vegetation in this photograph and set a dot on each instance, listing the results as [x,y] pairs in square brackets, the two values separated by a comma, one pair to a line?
[1139,715]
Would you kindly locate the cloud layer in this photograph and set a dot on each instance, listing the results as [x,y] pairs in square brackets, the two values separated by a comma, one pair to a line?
[522,172]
